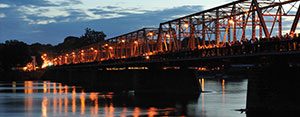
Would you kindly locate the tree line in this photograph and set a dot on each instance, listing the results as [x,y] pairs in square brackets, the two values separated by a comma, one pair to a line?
[14,53]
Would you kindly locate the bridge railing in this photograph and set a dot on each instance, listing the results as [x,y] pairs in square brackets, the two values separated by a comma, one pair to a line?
[247,48]
[263,46]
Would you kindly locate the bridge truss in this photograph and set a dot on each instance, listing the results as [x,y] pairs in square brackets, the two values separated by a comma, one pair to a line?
[229,24]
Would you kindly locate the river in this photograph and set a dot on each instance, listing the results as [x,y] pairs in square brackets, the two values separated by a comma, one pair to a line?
[47,99]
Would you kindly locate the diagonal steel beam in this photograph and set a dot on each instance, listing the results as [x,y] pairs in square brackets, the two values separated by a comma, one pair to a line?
[296,20]
[261,18]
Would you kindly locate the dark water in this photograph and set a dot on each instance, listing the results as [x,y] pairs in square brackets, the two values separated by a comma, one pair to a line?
[44,98]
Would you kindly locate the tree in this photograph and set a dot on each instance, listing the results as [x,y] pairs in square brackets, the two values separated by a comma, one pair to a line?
[38,49]
[14,54]
[72,43]
[91,36]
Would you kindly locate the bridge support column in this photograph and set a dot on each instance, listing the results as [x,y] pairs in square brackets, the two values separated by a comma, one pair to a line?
[177,82]
[274,91]
[152,81]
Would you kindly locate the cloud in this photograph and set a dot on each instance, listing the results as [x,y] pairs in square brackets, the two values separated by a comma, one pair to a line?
[134,21]
[44,21]
[108,12]
[27,2]
[60,11]
[44,14]
[4,5]
[65,2]
[49,12]
[57,14]
[54,29]
[2,15]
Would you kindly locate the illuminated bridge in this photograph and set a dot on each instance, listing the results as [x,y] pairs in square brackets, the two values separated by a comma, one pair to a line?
[244,27]
[244,36]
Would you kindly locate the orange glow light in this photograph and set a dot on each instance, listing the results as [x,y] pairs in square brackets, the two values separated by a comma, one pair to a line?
[150,33]
[82,101]
[231,21]
[44,106]
[186,25]
[147,57]
[168,36]
[73,99]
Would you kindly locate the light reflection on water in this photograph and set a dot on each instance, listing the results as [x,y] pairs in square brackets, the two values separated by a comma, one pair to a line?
[47,99]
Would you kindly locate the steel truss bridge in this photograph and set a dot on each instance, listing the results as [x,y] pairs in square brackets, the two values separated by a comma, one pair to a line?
[243,28]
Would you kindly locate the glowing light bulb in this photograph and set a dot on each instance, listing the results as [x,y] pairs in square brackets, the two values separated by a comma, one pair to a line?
[186,25]
[230,21]
[168,36]
[150,33]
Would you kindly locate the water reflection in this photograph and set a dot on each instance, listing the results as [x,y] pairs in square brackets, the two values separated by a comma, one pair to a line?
[45,86]
[136,112]
[28,87]
[203,97]
[28,100]
[94,99]
[14,85]
[223,91]
[49,99]
[73,100]
[44,106]
[82,102]
[152,112]
[54,88]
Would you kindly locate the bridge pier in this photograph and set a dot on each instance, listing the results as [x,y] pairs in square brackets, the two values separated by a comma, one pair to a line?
[274,91]
[174,81]
[151,81]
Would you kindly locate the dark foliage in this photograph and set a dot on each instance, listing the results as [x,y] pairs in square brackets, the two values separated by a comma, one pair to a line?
[89,37]
[38,49]
[14,54]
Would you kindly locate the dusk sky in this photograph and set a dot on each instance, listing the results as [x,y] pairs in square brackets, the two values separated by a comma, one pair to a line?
[50,21]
